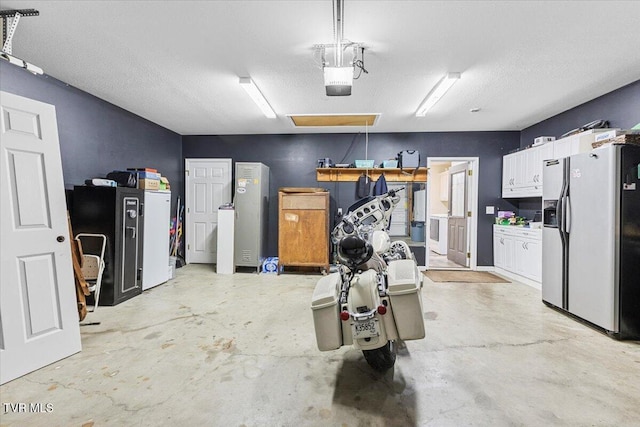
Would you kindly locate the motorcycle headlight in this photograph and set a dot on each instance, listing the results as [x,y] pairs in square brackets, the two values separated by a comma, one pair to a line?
[354,251]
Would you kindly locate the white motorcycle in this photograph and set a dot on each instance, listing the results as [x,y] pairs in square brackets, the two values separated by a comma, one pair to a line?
[374,299]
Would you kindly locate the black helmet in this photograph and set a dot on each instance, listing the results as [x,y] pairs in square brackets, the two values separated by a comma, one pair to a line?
[354,251]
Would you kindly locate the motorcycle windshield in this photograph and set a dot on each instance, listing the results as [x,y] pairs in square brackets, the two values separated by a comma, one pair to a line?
[359,203]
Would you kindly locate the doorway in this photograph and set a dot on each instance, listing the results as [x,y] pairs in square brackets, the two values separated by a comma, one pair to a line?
[452,213]
[207,186]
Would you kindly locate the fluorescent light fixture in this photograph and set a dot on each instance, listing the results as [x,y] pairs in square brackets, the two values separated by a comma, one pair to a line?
[436,93]
[250,87]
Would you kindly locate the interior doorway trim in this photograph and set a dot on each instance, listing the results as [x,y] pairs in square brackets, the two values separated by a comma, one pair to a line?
[474,166]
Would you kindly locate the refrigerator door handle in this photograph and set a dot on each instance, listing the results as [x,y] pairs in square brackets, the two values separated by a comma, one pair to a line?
[568,216]
[560,213]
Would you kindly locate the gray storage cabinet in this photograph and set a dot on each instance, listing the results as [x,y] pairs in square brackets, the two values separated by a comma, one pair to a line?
[251,201]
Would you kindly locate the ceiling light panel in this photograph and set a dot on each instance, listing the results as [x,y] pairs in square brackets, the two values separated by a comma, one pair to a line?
[437,92]
[250,87]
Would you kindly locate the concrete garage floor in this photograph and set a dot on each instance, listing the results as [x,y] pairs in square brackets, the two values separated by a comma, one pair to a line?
[208,350]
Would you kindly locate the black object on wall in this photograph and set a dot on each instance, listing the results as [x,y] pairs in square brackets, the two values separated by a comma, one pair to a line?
[293,160]
[97,137]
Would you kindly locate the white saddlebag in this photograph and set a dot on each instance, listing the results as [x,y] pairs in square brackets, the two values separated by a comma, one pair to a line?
[406,298]
[325,307]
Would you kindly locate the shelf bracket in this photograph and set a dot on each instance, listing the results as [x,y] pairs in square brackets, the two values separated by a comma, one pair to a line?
[10,20]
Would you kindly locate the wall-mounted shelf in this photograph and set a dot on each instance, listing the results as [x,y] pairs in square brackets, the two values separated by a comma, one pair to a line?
[390,174]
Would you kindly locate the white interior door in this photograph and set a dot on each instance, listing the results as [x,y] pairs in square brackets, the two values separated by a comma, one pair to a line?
[38,315]
[208,185]
[457,221]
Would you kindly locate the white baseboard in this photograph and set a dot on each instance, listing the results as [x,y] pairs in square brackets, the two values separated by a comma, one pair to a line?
[521,279]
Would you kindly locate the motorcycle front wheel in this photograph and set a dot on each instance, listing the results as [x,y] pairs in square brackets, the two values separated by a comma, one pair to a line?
[381,359]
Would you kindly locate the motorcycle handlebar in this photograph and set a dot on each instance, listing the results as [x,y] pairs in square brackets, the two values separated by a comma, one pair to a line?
[393,192]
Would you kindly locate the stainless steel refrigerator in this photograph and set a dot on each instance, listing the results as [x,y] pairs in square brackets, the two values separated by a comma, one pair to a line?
[251,201]
[591,238]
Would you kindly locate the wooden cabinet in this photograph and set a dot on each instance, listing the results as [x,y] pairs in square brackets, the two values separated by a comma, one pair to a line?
[303,227]
[518,251]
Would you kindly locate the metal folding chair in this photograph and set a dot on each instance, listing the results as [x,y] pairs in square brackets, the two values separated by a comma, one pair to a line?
[93,265]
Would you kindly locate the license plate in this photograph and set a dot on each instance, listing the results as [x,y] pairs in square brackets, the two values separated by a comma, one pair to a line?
[365,329]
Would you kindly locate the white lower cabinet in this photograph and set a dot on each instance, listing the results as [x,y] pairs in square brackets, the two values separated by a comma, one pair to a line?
[518,251]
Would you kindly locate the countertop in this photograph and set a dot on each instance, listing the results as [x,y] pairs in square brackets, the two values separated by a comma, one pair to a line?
[532,226]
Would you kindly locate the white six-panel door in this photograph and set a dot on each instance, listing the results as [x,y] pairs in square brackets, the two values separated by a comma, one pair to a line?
[38,315]
[458,219]
[208,185]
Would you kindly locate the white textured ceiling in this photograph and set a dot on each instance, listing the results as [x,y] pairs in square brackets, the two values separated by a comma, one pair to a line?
[177,63]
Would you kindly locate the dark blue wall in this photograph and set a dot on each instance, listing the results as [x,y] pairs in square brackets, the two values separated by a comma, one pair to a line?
[620,107]
[293,160]
[97,137]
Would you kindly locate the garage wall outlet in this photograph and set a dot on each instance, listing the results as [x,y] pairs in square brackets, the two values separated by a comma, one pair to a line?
[490,210]
[340,211]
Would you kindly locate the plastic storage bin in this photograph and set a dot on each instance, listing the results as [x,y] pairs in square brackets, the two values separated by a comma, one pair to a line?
[390,164]
[406,299]
[364,163]
[417,231]
[326,320]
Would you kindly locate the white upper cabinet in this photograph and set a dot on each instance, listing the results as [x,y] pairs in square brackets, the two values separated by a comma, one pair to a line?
[522,171]
[574,144]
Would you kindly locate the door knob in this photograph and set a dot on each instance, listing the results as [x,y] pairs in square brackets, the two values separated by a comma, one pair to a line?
[60,239]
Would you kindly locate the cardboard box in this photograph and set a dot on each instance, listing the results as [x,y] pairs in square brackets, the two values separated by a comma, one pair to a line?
[627,138]
[603,136]
[148,175]
[149,184]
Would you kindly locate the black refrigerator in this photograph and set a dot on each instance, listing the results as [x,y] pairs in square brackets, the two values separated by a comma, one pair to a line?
[116,212]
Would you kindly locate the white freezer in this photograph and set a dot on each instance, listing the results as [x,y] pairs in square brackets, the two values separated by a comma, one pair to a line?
[155,253]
